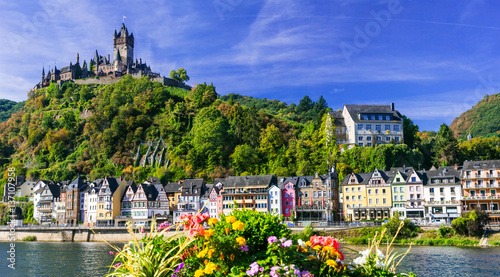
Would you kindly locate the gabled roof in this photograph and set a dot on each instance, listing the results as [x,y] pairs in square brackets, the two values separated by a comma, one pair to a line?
[150,191]
[76,184]
[173,187]
[193,187]
[245,181]
[355,110]
[282,181]
[490,164]
[361,177]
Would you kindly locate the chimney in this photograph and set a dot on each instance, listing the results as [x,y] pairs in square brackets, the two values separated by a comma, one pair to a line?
[392,106]
[108,59]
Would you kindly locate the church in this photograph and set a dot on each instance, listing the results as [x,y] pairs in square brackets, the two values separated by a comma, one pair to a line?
[100,66]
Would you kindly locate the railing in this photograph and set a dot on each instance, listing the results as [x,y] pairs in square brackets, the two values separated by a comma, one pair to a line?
[311,207]
[481,197]
[450,202]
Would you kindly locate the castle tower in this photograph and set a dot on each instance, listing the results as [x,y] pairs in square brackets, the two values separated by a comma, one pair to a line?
[124,45]
[77,58]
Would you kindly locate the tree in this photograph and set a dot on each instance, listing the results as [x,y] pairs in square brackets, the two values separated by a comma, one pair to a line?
[446,146]
[410,131]
[471,223]
[179,75]
[245,159]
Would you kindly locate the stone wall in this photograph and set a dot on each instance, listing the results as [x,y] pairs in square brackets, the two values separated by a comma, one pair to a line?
[107,80]
[71,234]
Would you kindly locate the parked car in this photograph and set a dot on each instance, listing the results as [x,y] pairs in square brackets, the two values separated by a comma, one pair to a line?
[140,224]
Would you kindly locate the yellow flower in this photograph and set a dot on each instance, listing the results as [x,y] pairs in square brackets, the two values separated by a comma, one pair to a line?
[317,247]
[230,219]
[205,262]
[328,248]
[199,273]
[210,252]
[231,257]
[202,253]
[238,225]
[227,230]
[241,241]
[308,243]
[212,221]
[210,268]
[331,263]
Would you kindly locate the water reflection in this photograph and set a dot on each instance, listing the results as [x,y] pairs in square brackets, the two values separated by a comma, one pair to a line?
[443,261]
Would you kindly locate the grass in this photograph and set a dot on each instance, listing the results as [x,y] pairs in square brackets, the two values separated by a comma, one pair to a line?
[29,238]
[494,239]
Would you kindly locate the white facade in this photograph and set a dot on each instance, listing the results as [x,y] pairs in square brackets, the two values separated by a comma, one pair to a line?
[372,126]
[275,200]
[91,206]
[140,204]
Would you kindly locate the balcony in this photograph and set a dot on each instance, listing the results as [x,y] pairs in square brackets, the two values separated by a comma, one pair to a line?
[45,209]
[481,197]
[442,203]
[311,208]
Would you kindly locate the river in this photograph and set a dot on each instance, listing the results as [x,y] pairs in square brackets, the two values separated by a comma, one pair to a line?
[92,259]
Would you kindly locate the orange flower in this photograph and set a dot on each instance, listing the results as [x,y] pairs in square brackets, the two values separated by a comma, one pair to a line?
[227,230]
[212,221]
[231,257]
[241,241]
[221,256]
[238,225]
[230,219]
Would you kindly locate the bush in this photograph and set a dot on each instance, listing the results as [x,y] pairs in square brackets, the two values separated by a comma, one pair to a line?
[29,238]
[407,231]
[445,232]
[471,224]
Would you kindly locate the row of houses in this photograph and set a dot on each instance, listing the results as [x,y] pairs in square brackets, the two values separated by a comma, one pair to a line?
[437,194]
[114,201]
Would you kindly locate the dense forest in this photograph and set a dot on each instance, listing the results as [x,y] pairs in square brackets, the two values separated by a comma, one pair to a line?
[8,107]
[95,131]
[482,120]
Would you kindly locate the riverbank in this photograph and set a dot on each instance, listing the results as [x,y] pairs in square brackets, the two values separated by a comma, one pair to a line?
[427,237]
[70,234]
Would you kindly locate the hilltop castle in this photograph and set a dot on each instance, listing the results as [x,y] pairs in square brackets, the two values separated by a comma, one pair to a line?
[106,70]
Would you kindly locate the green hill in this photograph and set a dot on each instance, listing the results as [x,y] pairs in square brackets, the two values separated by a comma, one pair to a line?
[113,130]
[8,107]
[482,120]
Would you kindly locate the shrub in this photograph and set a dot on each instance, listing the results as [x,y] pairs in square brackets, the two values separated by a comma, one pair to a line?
[471,223]
[407,231]
[445,232]
[29,238]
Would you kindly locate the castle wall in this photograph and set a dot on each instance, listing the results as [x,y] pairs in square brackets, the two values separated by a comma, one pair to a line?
[107,80]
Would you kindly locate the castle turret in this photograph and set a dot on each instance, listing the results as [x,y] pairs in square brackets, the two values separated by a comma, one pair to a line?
[77,58]
[125,43]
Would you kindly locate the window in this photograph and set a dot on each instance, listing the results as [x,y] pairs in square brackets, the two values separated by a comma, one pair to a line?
[418,196]
[352,189]
[395,189]
[493,192]
[452,190]
[417,188]
[368,127]
[286,203]
[376,191]
[372,117]
[306,194]
[413,179]
[387,127]
[396,127]
[377,201]
[315,194]
[383,191]
[395,198]
[359,197]
[387,117]
[441,190]
[401,198]
[370,201]
[360,126]
[368,138]
[346,189]
[365,117]
[431,190]
[384,201]
[411,188]
[359,189]
[360,138]
[396,138]
[368,144]
[347,198]
[378,127]
[369,192]
[286,210]
[387,138]
[360,144]
[401,189]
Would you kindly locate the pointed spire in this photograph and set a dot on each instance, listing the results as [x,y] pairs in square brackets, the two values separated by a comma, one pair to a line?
[117,56]
[43,71]
[96,57]
[115,34]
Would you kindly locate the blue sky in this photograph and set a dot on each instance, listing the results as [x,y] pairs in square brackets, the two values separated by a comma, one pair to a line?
[433,59]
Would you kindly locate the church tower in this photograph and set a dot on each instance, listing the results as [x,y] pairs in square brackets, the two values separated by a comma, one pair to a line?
[124,46]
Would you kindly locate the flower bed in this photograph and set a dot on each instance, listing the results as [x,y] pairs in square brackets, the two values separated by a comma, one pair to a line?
[244,243]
